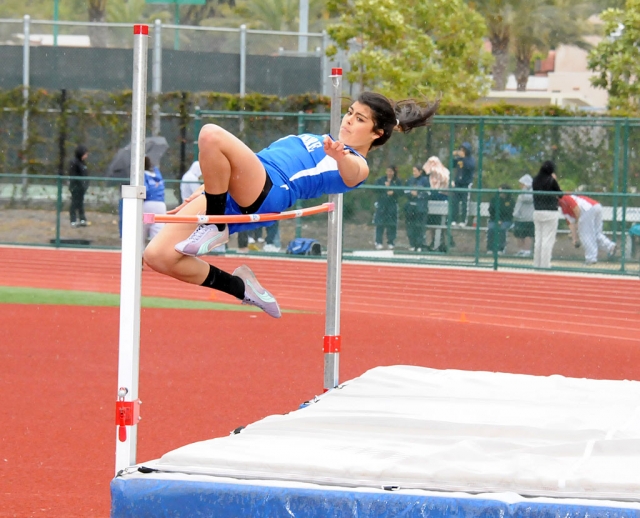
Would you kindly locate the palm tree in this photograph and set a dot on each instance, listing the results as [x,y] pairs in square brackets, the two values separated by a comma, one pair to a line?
[499,17]
[282,15]
[544,24]
[97,10]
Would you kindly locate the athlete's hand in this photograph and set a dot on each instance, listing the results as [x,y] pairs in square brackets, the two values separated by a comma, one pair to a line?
[186,202]
[335,149]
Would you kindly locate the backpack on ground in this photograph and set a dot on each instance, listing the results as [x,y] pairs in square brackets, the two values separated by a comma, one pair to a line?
[304,246]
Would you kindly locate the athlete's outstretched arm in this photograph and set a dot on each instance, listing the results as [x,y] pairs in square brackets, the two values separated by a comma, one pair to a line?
[352,168]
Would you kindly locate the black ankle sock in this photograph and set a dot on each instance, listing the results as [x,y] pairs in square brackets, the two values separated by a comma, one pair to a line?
[223,281]
[216,204]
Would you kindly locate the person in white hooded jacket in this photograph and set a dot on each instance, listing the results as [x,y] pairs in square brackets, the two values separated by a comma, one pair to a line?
[191,181]
[524,229]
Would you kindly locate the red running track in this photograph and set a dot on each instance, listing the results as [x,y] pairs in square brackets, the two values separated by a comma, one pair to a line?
[204,373]
[586,305]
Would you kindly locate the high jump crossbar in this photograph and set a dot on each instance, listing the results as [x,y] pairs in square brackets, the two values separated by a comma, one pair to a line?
[239,218]
[127,402]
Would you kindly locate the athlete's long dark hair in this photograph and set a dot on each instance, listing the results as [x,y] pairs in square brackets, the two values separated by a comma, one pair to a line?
[401,115]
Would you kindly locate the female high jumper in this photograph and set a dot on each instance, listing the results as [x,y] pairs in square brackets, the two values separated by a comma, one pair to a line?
[239,181]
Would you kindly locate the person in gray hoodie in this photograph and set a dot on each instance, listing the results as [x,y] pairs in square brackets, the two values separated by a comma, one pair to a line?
[523,228]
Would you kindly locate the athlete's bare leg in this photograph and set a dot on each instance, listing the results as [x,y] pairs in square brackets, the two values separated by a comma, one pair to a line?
[162,257]
[229,165]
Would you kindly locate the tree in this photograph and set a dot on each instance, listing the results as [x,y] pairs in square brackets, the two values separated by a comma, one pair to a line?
[616,59]
[406,49]
[97,10]
[540,25]
[499,18]
[280,15]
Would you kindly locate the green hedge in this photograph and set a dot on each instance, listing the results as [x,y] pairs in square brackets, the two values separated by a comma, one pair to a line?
[586,153]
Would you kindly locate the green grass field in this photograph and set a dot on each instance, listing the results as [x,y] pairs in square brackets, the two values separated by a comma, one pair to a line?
[11,295]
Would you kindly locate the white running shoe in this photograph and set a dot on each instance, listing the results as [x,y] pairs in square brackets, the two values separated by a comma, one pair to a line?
[255,294]
[204,239]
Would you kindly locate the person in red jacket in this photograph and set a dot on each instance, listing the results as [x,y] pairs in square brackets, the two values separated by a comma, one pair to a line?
[584,216]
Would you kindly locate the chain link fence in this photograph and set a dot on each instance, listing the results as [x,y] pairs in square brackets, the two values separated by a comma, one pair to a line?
[69,55]
[38,214]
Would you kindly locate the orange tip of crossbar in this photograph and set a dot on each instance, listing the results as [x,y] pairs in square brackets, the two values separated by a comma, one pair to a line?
[202,219]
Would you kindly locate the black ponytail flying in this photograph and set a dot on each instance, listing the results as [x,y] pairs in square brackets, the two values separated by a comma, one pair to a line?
[401,116]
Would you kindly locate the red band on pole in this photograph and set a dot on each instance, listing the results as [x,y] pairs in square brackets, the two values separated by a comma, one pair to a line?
[141,29]
[336,71]
[332,344]
[127,414]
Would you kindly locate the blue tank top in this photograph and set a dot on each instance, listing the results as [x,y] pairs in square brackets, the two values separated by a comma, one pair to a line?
[154,183]
[300,165]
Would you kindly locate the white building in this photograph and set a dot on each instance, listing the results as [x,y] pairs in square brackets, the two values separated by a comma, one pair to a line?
[562,79]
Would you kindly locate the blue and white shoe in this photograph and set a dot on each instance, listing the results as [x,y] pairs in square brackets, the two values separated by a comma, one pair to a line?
[204,239]
[255,294]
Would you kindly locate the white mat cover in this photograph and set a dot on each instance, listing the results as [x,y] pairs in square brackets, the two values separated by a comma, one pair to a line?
[413,427]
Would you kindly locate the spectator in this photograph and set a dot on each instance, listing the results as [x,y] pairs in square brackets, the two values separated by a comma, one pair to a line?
[439,178]
[272,243]
[524,229]
[154,202]
[191,180]
[78,186]
[243,242]
[464,169]
[584,216]
[545,214]
[416,209]
[500,220]
[385,217]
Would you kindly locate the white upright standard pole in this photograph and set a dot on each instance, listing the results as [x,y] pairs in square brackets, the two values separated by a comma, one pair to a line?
[334,256]
[127,403]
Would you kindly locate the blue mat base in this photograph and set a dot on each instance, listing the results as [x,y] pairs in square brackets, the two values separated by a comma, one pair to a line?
[158,495]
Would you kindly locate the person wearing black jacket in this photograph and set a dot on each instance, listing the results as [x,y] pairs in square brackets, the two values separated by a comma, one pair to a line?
[546,193]
[464,169]
[78,186]
[500,220]
[417,207]
[385,217]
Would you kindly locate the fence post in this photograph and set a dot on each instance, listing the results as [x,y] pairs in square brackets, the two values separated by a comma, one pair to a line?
[62,137]
[496,229]
[156,82]
[303,26]
[479,195]
[616,176]
[324,64]
[184,121]
[448,237]
[243,60]
[301,129]
[25,95]
[198,124]
[58,208]
[625,172]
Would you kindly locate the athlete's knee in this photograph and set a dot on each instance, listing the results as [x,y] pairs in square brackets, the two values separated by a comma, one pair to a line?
[159,258]
[211,135]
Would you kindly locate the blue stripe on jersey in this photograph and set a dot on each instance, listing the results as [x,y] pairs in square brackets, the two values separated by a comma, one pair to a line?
[301,166]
